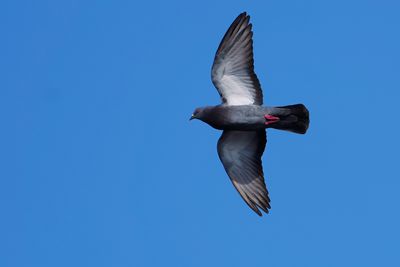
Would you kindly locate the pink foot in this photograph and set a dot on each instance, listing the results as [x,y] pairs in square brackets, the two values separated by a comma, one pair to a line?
[270,119]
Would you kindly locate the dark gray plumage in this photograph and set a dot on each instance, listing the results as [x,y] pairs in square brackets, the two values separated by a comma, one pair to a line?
[242,117]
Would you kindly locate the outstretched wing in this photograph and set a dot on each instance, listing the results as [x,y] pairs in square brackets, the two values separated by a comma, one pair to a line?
[233,70]
[240,153]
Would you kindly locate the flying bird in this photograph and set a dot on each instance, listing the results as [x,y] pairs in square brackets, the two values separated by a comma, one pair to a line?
[242,116]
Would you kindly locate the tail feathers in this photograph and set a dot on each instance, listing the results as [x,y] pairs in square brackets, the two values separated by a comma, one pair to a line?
[293,118]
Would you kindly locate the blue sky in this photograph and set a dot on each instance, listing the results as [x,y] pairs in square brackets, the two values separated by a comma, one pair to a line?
[101,167]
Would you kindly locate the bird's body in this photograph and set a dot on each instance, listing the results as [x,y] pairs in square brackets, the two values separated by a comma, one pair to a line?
[242,116]
[249,117]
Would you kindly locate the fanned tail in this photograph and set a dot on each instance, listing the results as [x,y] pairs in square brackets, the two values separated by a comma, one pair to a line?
[293,118]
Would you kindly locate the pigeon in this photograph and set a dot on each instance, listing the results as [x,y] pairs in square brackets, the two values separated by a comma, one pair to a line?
[242,117]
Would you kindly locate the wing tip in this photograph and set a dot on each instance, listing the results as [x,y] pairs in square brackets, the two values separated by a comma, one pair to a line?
[244,14]
[257,204]
[254,202]
[243,18]
[263,208]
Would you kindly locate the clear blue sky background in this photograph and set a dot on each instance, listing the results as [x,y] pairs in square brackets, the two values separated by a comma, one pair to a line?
[101,167]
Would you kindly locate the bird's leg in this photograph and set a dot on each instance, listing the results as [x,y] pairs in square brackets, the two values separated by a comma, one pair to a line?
[270,119]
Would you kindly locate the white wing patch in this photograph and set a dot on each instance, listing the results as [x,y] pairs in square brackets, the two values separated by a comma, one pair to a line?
[232,90]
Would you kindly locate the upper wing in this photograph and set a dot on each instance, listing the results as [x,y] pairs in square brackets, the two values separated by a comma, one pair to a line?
[233,71]
[240,153]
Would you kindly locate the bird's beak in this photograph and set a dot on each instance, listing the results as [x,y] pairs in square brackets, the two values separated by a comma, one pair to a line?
[193,117]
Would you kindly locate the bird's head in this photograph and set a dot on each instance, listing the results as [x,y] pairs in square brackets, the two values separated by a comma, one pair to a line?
[198,113]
